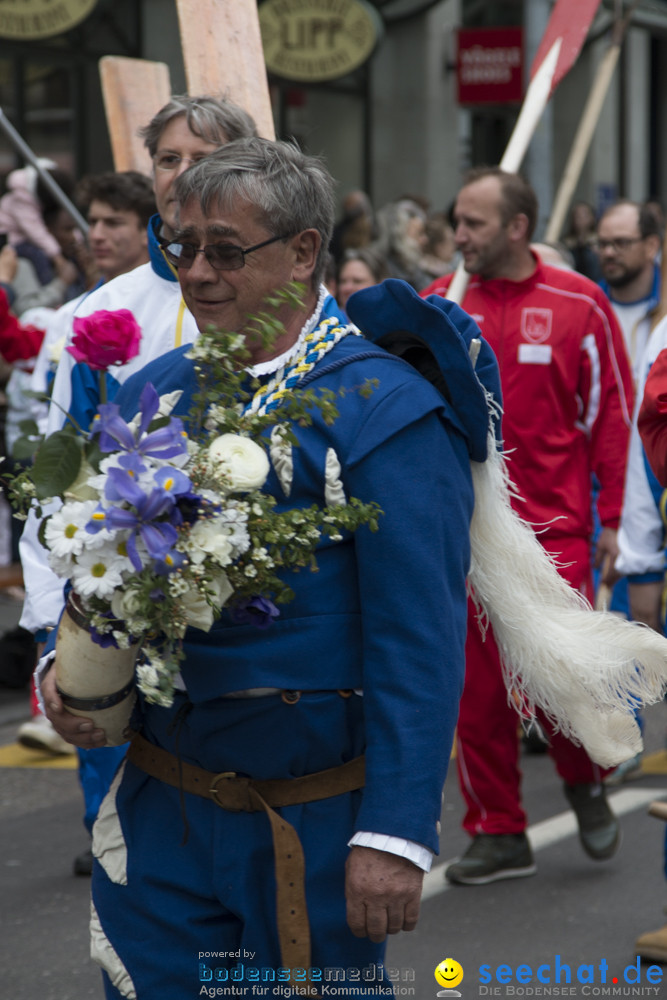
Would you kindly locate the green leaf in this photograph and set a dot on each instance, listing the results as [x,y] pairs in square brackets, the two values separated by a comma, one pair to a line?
[57,464]
[29,427]
[24,448]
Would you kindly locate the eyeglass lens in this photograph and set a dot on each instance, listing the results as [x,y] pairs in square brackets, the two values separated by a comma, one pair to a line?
[221,256]
[620,244]
[172,161]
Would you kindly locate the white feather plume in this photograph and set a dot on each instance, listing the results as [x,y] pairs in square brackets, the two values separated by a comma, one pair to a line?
[587,670]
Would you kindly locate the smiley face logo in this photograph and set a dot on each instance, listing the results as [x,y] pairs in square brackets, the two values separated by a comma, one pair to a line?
[448,973]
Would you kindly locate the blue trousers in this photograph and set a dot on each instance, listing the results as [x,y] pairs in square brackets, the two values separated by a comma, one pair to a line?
[200,881]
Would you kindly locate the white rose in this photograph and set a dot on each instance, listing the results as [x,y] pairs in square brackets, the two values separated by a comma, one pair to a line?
[209,537]
[244,462]
[125,604]
[198,611]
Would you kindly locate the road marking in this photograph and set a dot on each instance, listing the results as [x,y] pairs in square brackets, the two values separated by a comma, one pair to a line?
[655,763]
[14,755]
[550,831]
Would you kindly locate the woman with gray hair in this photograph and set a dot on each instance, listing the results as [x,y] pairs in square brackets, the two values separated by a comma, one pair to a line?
[359,268]
[402,226]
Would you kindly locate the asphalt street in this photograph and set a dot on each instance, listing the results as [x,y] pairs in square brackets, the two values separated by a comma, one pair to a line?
[574,915]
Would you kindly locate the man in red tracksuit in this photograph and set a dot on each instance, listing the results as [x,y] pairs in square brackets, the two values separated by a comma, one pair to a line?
[567,397]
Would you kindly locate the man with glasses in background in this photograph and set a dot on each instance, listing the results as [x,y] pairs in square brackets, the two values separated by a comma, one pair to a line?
[629,241]
[628,246]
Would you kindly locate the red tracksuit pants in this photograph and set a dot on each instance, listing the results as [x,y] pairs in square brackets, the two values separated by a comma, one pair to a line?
[487,737]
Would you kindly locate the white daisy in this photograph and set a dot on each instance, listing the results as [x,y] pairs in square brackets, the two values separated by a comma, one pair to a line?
[97,573]
[65,532]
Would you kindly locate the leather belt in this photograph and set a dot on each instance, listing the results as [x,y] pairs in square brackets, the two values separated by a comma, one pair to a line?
[241,794]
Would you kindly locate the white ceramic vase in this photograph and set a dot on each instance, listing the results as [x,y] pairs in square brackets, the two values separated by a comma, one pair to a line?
[94,681]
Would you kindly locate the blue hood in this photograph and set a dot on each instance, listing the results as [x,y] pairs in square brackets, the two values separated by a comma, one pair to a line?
[434,336]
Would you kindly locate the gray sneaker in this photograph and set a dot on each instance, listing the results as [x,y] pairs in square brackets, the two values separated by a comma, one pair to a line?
[626,771]
[599,832]
[491,857]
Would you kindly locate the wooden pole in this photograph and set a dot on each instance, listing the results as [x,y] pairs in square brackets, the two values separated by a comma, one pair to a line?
[26,152]
[587,126]
[582,142]
[223,55]
[133,90]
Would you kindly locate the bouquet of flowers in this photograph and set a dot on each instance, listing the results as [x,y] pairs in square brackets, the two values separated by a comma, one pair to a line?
[160,526]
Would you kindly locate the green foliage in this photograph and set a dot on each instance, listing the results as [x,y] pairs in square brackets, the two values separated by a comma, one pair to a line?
[57,464]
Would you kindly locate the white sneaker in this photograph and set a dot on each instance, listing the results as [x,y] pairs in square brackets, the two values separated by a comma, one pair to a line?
[39,734]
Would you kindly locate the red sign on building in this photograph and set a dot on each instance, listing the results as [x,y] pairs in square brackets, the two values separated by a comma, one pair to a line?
[490,65]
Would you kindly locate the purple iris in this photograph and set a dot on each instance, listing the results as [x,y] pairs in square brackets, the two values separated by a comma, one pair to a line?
[103,639]
[169,485]
[257,611]
[168,563]
[159,537]
[165,442]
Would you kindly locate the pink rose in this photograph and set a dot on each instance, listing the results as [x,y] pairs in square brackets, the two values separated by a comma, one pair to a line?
[105,338]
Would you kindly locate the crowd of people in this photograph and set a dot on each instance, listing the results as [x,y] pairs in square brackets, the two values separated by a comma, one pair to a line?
[568,346]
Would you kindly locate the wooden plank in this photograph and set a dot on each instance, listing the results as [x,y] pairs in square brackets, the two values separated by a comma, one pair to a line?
[223,55]
[133,90]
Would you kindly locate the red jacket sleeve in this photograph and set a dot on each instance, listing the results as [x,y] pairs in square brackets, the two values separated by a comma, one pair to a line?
[17,342]
[652,420]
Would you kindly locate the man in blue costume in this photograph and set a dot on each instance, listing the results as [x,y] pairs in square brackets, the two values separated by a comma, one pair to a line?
[366,663]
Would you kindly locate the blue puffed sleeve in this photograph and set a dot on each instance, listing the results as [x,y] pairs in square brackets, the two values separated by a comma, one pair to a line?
[412,593]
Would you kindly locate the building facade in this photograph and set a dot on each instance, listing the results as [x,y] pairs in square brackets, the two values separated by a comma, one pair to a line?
[395,123]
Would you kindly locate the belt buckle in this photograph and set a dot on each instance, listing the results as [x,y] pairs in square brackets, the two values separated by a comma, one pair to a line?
[213,790]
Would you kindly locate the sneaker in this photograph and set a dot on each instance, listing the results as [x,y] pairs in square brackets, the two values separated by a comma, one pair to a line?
[39,734]
[626,771]
[653,945]
[491,857]
[83,863]
[599,832]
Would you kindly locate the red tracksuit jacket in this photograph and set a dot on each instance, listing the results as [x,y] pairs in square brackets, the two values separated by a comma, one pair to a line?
[567,391]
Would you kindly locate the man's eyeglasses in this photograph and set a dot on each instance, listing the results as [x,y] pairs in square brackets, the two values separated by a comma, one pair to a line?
[172,161]
[619,245]
[221,256]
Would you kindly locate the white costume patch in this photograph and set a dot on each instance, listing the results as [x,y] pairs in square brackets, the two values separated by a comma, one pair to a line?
[109,845]
[280,451]
[334,492]
[103,953]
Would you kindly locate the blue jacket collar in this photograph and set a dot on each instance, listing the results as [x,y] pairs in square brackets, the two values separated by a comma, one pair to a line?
[157,258]
[652,300]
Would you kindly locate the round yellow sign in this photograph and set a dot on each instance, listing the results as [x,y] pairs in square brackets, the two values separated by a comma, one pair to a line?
[24,19]
[313,40]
